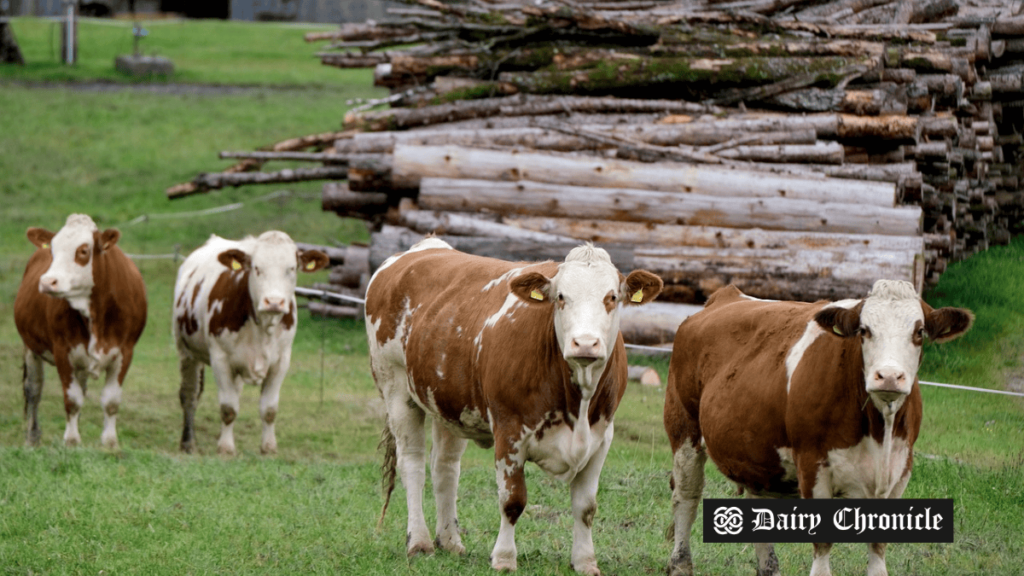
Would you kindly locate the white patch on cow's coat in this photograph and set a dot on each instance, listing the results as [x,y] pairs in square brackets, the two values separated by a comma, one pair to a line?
[506,309]
[852,471]
[788,464]
[503,279]
[811,333]
[559,452]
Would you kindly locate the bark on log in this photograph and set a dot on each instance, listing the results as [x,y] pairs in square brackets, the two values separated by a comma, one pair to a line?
[645,375]
[780,274]
[696,134]
[412,163]
[205,182]
[773,213]
[334,311]
[819,153]
[326,158]
[337,197]
[654,323]
[643,233]
[451,223]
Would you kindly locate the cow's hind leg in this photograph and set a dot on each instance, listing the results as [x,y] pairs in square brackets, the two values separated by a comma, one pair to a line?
[445,467]
[407,426]
[688,458]
[188,394]
[767,561]
[583,490]
[32,381]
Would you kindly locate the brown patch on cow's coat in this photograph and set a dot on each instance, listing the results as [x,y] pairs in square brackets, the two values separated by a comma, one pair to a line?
[288,320]
[232,292]
[82,255]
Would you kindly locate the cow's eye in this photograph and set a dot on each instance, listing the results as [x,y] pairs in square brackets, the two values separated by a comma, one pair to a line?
[561,298]
[864,331]
[920,333]
[615,298]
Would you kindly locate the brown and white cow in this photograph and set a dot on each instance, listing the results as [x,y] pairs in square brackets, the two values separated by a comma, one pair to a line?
[82,307]
[234,310]
[523,357]
[795,399]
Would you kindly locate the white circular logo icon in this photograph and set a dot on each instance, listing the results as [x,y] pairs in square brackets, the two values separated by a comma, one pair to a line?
[728,520]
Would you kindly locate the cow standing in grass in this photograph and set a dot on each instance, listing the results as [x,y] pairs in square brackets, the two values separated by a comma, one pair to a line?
[82,307]
[526,358]
[234,310]
[791,399]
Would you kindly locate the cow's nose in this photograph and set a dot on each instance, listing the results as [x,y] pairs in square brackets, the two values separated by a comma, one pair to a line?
[889,385]
[273,305]
[585,349]
[47,285]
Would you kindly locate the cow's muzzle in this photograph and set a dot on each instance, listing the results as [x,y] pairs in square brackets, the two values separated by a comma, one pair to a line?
[584,350]
[888,386]
[273,306]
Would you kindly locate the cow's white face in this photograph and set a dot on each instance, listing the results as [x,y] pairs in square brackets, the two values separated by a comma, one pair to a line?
[586,293]
[73,249]
[892,323]
[273,266]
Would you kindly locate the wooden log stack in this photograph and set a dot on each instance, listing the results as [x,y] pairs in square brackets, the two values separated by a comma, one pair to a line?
[798,149]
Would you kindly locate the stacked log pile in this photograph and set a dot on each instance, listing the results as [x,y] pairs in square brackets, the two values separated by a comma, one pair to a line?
[798,149]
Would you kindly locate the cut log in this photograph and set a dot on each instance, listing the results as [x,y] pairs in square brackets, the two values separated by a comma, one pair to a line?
[451,223]
[394,239]
[323,310]
[645,375]
[654,323]
[337,197]
[205,182]
[819,153]
[780,274]
[412,163]
[543,199]
[643,233]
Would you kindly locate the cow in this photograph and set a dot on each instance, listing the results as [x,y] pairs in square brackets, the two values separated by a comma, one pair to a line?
[235,311]
[794,399]
[82,307]
[524,357]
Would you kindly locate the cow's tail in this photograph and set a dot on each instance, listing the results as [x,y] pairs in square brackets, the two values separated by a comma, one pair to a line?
[388,468]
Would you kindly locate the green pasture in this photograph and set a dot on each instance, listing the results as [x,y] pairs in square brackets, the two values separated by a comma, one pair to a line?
[203,52]
[313,508]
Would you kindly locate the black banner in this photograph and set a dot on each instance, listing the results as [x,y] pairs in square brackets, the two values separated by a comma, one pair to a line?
[828,520]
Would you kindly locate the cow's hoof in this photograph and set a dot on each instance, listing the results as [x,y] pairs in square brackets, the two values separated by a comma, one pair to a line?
[588,568]
[33,438]
[451,546]
[226,450]
[188,447]
[72,442]
[268,449]
[421,548]
[110,442]
[504,564]
[680,569]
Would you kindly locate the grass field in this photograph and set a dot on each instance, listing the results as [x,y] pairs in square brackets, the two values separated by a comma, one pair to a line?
[313,508]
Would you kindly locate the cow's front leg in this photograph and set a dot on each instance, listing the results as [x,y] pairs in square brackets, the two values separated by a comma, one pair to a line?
[445,467]
[33,386]
[110,398]
[767,561]
[509,466]
[228,391]
[73,382]
[583,490]
[815,481]
[269,396]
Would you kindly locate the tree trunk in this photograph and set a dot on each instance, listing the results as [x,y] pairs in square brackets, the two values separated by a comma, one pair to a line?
[542,199]
[452,223]
[412,163]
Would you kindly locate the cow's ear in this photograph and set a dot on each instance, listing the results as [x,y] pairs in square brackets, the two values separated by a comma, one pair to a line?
[105,240]
[234,259]
[532,288]
[946,324]
[312,260]
[844,322]
[642,287]
[40,237]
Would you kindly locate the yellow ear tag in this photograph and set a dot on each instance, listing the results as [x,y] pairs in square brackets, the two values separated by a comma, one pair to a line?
[638,296]
[310,265]
[837,330]
[235,265]
[536,295]
[45,246]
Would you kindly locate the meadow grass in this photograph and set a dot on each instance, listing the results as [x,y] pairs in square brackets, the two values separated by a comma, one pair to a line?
[203,52]
[313,508]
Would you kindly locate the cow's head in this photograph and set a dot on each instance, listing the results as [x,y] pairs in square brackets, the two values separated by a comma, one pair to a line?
[586,293]
[272,267]
[892,323]
[73,249]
